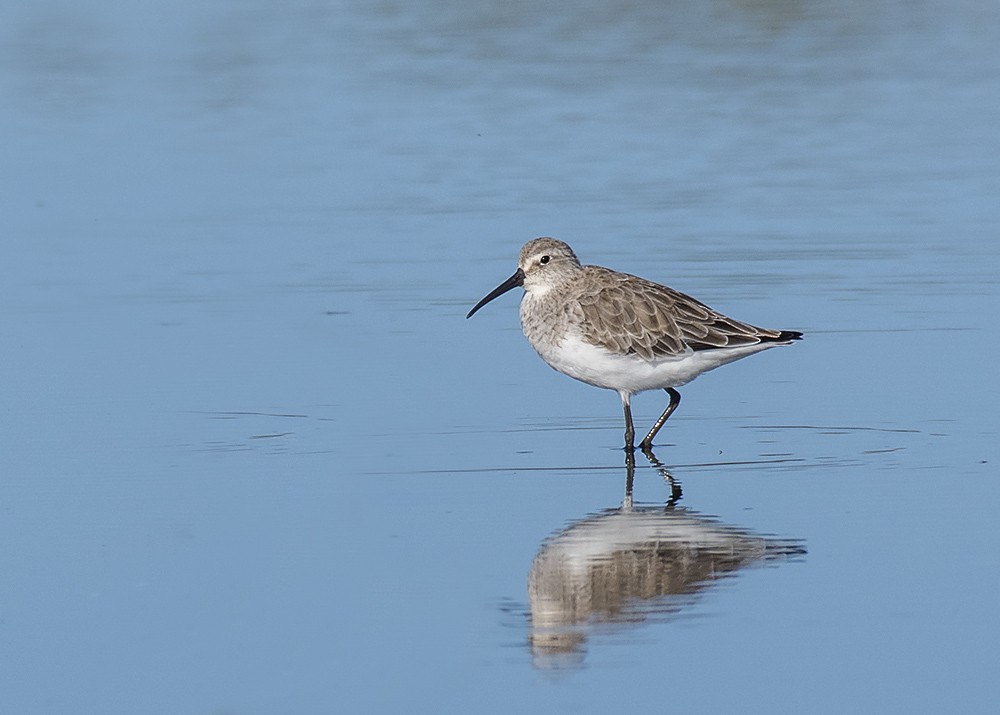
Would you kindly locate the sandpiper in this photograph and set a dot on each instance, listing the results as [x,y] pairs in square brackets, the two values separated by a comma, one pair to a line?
[622,332]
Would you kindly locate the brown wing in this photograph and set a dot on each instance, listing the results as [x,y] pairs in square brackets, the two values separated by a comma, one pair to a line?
[630,315]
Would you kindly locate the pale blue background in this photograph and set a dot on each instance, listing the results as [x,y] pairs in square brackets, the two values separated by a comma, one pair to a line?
[253,459]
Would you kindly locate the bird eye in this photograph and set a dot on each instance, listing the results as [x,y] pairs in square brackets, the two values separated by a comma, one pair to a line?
[544,259]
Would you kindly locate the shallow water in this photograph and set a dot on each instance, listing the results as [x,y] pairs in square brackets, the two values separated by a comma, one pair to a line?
[254,458]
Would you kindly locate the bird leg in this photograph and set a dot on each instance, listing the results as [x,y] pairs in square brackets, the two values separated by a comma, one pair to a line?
[675,399]
[629,429]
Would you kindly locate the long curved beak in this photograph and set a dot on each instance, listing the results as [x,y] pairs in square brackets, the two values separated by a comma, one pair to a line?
[513,282]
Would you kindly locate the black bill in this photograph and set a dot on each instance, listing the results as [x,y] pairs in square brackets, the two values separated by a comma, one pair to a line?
[513,282]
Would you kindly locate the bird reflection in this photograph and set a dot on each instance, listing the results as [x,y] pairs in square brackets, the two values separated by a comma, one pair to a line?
[620,567]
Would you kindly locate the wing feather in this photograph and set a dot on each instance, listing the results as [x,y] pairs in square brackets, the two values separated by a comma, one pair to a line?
[630,315]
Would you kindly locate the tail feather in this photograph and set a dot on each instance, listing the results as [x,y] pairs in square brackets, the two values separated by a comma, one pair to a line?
[786,335]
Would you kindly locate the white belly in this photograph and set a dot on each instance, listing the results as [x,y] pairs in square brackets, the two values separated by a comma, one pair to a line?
[630,373]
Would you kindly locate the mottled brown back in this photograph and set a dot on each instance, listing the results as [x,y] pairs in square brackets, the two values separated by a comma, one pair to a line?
[631,315]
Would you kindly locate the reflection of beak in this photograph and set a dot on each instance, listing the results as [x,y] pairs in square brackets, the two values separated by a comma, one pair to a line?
[513,282]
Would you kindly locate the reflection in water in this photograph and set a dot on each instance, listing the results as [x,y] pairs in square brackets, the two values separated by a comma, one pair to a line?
[626,565]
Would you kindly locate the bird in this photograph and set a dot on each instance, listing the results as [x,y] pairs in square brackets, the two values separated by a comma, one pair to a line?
[621,332]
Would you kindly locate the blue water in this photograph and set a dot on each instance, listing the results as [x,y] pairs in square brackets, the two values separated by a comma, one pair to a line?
[253,458]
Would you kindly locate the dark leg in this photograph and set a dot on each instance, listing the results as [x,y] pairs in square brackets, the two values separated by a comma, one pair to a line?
[629,429]
[675,399]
